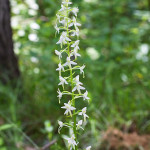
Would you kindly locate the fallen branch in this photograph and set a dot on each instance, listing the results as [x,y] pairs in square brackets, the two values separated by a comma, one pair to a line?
[48,145]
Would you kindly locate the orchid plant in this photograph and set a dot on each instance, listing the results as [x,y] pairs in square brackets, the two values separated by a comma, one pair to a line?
[67,26]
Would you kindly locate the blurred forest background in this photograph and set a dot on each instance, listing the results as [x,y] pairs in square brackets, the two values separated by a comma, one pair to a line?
[115,44]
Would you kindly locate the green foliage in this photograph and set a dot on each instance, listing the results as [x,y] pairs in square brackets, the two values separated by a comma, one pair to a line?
[2,147]
[115,48]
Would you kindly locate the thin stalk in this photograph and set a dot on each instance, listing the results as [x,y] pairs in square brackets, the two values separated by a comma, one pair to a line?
[73,99]
[74,112]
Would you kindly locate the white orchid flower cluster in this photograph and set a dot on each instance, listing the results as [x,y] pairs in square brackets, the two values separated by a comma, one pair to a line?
[67,26]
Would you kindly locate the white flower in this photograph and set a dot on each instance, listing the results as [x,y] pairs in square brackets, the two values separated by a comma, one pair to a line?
[79,124]
[76,79]
[33,37]
[62,81]
[58,17]
[81,69]
[75,11]
[60,94]
[67,2]
[75,53]
[71,142]
[76,44]
[69,62]
[58,53]
[61,124]
[68,108]
[34,59]
[75,23]
[84,113]
[60,67]
[65,21]
[88,148]
[63,39]
[34,26]
[75,32]
[85,96]
[63,8]
[78,86]
[57,29]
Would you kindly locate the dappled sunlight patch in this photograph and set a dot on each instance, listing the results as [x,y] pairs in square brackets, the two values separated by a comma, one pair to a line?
[92,53]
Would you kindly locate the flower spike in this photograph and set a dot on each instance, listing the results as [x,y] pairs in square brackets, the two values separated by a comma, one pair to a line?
[68,28]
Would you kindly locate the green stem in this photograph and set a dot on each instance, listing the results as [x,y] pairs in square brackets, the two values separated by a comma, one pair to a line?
[74,112]
[73,99]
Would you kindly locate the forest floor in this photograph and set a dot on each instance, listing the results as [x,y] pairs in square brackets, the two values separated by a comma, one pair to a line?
[114,139]
[117,139]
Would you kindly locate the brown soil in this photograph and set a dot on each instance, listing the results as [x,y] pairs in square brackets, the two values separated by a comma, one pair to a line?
[115,139]
[1,121]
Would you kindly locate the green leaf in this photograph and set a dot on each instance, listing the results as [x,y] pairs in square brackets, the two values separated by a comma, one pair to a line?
[6,126]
